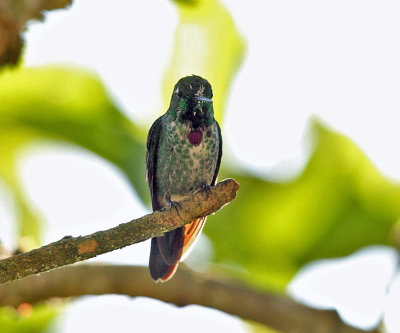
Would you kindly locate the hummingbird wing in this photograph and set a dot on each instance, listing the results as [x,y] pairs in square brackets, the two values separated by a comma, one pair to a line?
[219,155]
[165,250]
[192,230]
[153,139]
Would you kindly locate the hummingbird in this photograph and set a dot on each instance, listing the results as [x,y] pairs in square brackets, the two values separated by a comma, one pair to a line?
[184,150]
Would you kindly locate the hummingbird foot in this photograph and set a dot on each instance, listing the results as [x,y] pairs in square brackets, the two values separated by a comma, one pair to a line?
[175,205]
[207,189]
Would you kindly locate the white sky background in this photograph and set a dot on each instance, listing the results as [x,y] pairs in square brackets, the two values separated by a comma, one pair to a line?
[336,60]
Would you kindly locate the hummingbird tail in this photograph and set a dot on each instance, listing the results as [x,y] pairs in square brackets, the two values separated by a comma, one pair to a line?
[192,231]
[165,254]
[166,251]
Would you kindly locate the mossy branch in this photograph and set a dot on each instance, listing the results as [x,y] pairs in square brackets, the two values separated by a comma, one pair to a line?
[73,249]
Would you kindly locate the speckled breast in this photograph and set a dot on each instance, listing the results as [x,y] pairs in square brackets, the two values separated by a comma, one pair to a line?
[184,165]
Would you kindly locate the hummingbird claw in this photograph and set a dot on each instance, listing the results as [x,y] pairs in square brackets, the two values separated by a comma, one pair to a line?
[175,205]
[207,189]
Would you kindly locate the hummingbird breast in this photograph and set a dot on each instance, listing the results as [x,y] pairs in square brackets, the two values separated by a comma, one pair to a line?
[187,159]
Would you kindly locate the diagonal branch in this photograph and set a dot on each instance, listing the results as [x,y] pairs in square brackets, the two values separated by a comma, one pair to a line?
[73,249]
[187,287]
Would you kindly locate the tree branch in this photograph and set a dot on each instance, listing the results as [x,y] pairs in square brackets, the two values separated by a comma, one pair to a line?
[276,311]
[73,249]
[13,18]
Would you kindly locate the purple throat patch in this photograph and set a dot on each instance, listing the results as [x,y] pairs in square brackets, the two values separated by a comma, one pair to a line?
[195,137]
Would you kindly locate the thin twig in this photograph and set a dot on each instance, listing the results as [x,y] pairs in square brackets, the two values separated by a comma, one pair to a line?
[73,249]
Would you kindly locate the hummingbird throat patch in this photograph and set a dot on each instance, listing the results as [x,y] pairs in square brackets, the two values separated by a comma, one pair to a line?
[195,137]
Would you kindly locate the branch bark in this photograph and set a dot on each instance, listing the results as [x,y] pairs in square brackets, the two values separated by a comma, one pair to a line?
[73,249]
[276,311]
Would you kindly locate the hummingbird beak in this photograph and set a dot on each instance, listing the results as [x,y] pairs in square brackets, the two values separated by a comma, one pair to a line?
[204,99]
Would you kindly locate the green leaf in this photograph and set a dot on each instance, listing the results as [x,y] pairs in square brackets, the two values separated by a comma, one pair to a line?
[68,105]
[339,204]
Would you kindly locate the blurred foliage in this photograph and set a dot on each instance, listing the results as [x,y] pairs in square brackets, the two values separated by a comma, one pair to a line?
[254,327]
[67,105]
[28,319]
[339,204]
[207,43]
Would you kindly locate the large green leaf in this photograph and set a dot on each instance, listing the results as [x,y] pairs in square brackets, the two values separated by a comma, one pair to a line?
[339,204]
[66,105]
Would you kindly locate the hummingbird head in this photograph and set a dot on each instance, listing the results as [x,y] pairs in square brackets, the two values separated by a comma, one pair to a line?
[191,102]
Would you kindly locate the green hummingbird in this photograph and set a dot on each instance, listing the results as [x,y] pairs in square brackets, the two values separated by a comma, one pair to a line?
[184,149]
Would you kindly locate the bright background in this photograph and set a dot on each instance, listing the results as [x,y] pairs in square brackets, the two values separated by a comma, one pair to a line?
[337,61]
